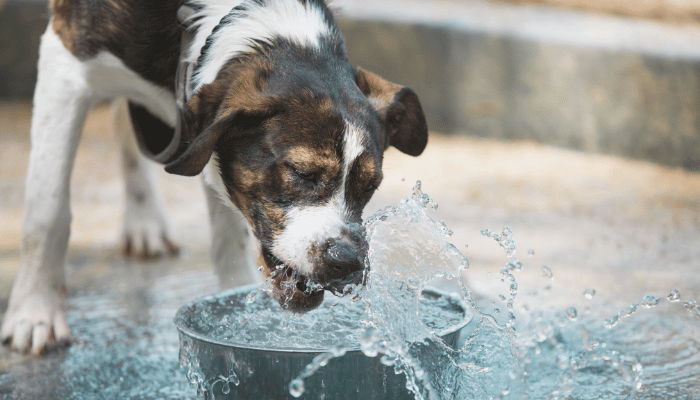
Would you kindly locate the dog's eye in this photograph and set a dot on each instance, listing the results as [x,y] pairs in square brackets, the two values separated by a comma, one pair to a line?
[308,176]
[370,188]
[305,175]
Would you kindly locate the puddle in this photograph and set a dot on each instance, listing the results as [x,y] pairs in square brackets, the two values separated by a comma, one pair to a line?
[124,345]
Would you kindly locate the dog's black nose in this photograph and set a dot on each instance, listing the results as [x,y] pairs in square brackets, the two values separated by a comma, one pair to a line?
[342,263]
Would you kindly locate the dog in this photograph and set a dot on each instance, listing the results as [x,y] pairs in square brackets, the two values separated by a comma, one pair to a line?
[256,96]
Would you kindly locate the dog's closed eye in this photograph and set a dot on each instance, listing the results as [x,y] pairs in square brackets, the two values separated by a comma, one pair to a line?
[303,173]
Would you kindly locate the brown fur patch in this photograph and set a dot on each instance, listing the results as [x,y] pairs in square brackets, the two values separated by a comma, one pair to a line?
[322,164]
[364,178]
[399,110]
[143,34]
[62,24]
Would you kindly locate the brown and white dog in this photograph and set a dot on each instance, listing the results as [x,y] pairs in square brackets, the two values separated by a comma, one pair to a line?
[256,96]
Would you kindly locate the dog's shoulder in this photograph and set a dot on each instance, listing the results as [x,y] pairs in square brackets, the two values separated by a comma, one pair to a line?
[144,35]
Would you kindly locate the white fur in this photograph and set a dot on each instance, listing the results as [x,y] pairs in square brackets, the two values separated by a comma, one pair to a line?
[108,77]
[305,227]
[289,19]
[63,96]
[233,249]
[354,146]
[204,21]
[146,229]
[212,178]
[309,226]
[66,88]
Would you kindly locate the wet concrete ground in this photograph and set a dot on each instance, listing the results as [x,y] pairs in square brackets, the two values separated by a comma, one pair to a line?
[626,229]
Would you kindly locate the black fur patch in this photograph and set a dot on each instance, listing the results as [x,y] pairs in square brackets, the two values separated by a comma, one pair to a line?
[152,134]
[143,34]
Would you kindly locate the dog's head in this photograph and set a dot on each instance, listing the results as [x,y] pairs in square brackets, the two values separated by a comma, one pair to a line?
[298,138]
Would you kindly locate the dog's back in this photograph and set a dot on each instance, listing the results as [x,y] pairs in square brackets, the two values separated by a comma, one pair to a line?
[144,35]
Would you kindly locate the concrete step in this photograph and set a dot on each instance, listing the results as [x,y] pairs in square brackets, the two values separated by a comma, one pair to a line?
[572,79]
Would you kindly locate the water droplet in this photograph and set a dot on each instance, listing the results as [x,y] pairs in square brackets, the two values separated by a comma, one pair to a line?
[502,297]
[571,313]
[609,323]
[496,310]
[505,240]
[649,301]
[592,345]
[692,306]
[629,311]
[387,360]
[296,387]
[589,293]
[674,296]
[447,231]
[531,252]
[547,273]
[250,298]
[514,265]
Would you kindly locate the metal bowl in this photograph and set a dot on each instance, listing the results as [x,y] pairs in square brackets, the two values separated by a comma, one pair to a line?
[228,370]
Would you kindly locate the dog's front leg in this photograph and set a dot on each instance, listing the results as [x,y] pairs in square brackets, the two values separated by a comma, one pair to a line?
[146,232]
[35,314]
[233,250]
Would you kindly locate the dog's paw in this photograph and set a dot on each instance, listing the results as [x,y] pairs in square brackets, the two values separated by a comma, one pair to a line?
[35,322]
[147,239]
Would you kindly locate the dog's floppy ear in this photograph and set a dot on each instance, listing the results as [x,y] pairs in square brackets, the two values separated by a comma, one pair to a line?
[399,110]
[196,154]
[211,114]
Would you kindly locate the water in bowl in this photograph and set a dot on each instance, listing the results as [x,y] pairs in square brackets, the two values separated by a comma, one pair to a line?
[649,350]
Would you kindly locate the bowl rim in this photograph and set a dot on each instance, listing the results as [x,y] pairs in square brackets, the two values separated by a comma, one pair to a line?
[179,321]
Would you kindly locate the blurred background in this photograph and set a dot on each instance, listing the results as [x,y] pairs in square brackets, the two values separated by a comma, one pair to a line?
[574,122]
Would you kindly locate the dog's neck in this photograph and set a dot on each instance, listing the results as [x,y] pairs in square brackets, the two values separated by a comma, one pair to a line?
[225,29]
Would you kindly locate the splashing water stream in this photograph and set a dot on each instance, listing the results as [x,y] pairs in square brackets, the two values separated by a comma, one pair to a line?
[555,354]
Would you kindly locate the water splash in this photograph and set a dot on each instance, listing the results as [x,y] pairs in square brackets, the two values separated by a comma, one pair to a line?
[549,356]
[553,354]
[506,241]
[547,273]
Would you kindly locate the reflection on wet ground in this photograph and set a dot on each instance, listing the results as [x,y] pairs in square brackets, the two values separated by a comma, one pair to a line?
[126,346]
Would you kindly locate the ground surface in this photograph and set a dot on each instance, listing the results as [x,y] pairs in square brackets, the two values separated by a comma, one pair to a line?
[623,228]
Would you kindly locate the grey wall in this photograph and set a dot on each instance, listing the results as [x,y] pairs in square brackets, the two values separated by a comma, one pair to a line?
[21,26]
[632,104]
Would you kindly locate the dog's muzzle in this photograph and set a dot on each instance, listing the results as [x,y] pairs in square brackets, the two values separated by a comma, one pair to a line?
[339,267]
